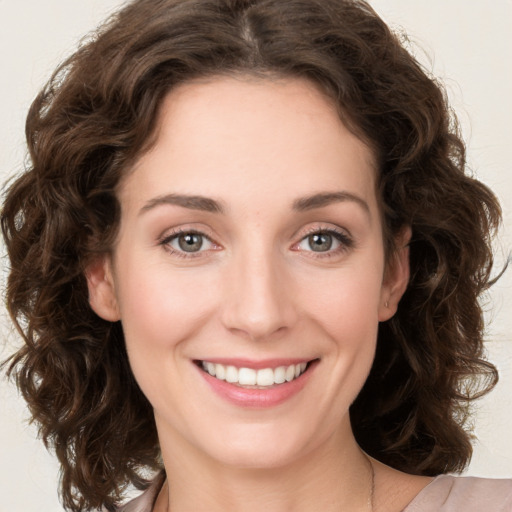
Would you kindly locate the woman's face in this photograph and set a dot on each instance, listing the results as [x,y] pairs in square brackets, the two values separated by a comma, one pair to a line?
[250,253]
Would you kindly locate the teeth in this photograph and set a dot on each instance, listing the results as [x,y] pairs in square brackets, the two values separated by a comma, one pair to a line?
[220,371]
[210,367]
[249,377]
[280,375]
[265,377]
[231,374]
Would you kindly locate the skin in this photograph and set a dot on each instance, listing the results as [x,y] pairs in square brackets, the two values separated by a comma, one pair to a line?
[255,290]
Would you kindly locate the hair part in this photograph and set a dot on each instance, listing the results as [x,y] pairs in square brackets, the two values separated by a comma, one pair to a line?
[98,114]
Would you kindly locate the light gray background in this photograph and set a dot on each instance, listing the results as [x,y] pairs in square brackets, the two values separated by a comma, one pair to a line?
[467,44]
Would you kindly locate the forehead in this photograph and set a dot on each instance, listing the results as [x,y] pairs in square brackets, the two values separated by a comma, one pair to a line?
[252,136]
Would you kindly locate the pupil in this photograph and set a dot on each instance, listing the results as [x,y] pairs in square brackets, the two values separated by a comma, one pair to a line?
[320,242]
[190,242]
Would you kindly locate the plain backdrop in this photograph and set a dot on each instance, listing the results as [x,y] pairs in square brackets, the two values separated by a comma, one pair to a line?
[467,44]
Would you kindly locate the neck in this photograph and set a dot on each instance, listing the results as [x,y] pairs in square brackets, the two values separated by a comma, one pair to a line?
[335,476]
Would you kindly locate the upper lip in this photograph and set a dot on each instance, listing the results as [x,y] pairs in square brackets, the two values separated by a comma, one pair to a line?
[256,364]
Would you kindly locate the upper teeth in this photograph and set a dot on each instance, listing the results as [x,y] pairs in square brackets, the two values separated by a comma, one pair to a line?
[251,377]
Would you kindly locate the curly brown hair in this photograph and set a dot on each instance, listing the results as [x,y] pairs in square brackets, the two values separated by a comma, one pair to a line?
[97,115]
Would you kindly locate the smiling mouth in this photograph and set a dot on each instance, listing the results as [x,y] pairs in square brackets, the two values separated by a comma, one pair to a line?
[263,378]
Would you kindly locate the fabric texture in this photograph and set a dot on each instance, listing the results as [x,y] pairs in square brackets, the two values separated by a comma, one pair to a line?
[444,494]
[464,494]
[144,502]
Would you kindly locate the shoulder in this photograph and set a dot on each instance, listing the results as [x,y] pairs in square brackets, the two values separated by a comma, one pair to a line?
[451,493]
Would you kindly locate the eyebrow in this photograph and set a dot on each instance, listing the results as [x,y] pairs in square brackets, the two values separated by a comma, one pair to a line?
[206,204]
[192,202]
[323,199]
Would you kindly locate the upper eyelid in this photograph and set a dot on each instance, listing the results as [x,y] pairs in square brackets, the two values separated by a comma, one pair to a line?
[172,236]
[323,228]
[341,236]
[171,233]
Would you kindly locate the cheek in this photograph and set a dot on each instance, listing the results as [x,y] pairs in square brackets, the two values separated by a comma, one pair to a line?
[161,312]
[351,323]
[160,307]
[346,300]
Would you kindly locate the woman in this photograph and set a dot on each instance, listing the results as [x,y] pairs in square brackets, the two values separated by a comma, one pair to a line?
[247,257]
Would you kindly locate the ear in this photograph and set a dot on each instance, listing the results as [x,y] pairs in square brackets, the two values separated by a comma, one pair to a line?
[102,294]
[396,277]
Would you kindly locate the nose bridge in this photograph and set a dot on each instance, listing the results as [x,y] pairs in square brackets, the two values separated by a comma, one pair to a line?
[258,303]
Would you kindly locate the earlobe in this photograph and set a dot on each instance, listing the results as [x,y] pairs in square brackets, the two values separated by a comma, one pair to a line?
[102,295]
[396,278]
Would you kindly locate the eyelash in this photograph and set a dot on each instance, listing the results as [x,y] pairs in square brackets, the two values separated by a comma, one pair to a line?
[170,237]
[346,242]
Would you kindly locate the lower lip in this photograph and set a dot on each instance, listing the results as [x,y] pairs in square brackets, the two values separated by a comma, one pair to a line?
[258,398]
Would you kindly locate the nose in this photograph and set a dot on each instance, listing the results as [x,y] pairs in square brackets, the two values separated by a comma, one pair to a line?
[258,300]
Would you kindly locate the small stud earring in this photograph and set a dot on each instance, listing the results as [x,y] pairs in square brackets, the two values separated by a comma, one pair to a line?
[386,304]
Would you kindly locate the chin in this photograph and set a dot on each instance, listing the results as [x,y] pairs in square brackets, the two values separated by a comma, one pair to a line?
[260,447]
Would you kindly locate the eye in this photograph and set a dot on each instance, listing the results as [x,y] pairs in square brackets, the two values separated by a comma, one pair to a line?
[320,242]
[187,242]
[325,241]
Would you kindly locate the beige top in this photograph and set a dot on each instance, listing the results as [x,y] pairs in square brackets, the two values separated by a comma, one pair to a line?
[464,494]
[444,494]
